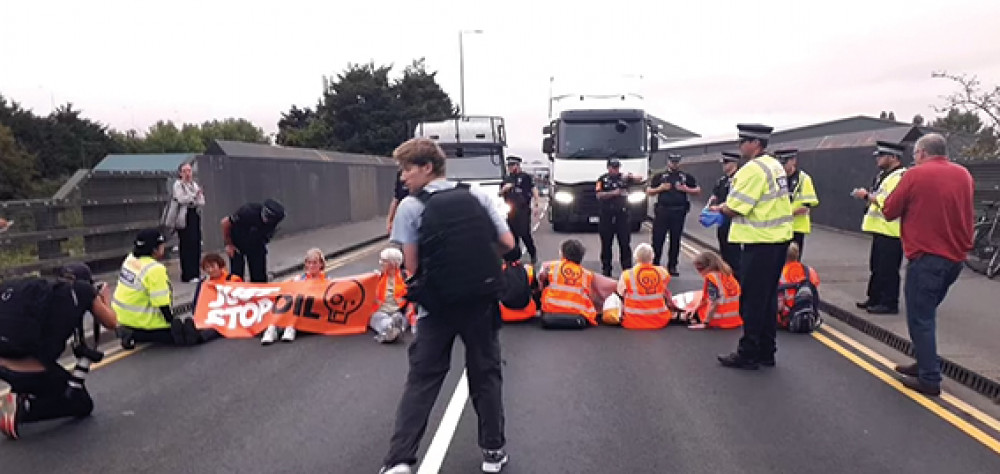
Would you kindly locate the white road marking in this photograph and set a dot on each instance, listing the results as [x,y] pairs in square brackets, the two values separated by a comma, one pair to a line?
[446,430]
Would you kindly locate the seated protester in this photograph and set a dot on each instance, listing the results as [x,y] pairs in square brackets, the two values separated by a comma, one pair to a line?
[389,321]
[40,388]
[315,266]
[143,295]
[720,303]
[797,293]
[214,267]
[646,300]
[566,288]
[518,302]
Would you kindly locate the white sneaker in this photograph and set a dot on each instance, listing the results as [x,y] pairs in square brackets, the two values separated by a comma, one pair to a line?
[288,335]
[494,460]
[389,335]
[397,469]
[269,335]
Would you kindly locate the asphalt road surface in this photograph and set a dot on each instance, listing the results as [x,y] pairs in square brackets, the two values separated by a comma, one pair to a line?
[602,400]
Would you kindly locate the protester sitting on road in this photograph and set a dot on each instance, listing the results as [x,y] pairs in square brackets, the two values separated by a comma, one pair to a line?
[646,300]
[315,269]
[793,291]
[389,321]
[41,389]
[247,232]
[518,302]
[214,267]
[720,293]
[566,289]
[143,296]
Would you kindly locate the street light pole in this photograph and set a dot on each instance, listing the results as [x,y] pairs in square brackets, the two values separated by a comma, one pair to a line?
[461,68]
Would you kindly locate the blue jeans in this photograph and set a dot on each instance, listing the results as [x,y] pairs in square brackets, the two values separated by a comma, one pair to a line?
[927,281]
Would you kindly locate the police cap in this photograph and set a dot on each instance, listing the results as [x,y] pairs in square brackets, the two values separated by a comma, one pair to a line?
[614,163]
[272,210]
[730,157]
[674,157]
[889,148]
[148,239]
[77,271]
[786,154]
[754,131]
[513,160]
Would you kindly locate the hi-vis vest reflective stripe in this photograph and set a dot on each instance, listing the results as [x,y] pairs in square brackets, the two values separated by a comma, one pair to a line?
[143,286]
[760,195]
[874,220]
[643,304]
[569,291]
[523,314]
[727,311]
[803,194]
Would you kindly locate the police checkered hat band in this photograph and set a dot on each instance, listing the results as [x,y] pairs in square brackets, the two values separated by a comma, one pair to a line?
[786,154]
[731,157]
[514,160]
[889,148]
[674,157]
[754,131]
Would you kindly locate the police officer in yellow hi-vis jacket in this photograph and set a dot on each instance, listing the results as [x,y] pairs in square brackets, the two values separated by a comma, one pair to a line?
[887,249]
[143,295]
[762,221]
[802,194]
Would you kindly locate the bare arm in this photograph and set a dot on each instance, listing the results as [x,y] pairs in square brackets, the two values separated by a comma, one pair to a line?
[410,258]
[392,215]
[101,309]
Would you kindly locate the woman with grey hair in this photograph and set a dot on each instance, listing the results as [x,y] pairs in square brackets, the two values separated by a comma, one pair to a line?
[388,320]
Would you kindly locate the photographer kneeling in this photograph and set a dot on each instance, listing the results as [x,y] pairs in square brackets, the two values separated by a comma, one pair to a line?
[37,317]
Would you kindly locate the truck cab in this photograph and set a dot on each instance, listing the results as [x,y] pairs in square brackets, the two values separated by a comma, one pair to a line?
[580,141]
[475,147]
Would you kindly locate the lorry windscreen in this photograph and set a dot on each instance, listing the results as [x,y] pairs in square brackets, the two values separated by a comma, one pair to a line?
[601,139]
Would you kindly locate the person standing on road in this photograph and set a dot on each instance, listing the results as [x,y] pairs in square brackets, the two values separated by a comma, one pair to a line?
[887,249]
[762,222]
[934,202]
[452,238]
[612,192]
[247,232]
[191,198]
[802,194]
[729,251]
[671,188]
[522,196]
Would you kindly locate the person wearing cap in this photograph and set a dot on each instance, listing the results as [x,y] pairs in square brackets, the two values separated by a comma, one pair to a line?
[142,297]
[671,188]
[762,221]
[729,251]
[886,255]
[38,383]
[802,193]
[519,191]
[247,232]
[612,192]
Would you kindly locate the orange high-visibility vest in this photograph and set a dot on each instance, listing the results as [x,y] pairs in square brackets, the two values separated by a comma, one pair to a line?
[528,312]
[727,311]
[399,292]
[643,304]
[569,291]
[792,273]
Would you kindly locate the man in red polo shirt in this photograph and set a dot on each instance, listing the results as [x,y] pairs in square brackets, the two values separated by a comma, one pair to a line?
[934,204]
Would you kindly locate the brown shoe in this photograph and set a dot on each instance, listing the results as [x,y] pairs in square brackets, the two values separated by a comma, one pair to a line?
[915,384]
[910,370]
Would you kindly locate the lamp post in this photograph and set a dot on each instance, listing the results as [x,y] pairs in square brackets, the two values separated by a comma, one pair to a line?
[461,68]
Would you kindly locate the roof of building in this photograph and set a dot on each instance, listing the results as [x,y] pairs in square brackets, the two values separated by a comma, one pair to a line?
[671,132]
[144,162]
[257,150]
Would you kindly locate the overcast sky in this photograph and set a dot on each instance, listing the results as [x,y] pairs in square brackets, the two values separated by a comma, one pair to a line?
[706,65]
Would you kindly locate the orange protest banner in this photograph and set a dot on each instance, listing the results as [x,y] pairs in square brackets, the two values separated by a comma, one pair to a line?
[340,306]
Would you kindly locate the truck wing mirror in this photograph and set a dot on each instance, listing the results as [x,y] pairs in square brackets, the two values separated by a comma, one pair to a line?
[654,143]
[547,146]
[547,130]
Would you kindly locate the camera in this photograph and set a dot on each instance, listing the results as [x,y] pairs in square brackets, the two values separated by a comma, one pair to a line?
[85,356]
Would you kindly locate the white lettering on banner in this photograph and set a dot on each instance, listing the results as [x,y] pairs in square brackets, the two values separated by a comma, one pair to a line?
[236,306]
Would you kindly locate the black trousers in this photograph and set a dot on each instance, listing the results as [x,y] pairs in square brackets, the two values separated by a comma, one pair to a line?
[761,264]
[668,220]
[189,241]
[519,221]
[478,324]
[800,239]
[254,257]
[615,223]
[730,252]
[884,262]
[48,394]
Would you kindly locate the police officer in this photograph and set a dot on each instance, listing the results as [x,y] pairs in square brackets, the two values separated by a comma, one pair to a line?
[762,221]
[671,188]
[612,192]
[801,193]
[247,232]
[143,295]
[519,191]
[730,252]
[887,248]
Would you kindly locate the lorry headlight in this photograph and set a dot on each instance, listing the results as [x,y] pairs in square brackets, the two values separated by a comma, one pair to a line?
[563,197]
[636,197]
[503,208]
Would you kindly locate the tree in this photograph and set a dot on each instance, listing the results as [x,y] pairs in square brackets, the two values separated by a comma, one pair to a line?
[19,171]
[231,129]
[422,99]
[299,127]
[973,99]
[166,137]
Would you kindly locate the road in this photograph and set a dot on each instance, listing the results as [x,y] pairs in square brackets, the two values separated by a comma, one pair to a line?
[594,401]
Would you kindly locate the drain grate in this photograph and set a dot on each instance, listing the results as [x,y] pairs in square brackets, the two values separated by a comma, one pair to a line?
[980,383]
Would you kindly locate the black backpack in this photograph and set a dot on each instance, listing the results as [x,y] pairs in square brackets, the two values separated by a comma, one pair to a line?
[24,309]
[458,253]
[804,316]
[517,288]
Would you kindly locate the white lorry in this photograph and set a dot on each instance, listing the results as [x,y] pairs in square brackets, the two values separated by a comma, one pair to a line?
[475,148]
[587,130]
